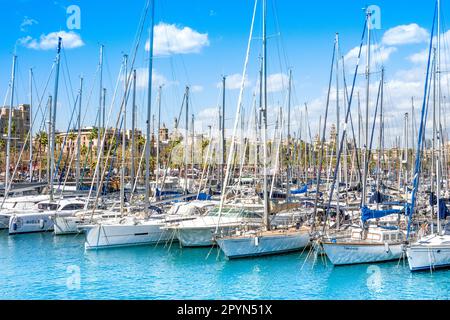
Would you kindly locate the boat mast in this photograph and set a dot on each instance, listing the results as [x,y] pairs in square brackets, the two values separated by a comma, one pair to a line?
[100,64]
[264,116]
[289,172]
[124,137]
[149,110]
[49,134]
[8,141]
[186,143]
[31,126]
[223,142]
[158,142]
[366,150]
[78,169]
[439,133]
[337,139]
[53,120]
[380,137]
[133,131]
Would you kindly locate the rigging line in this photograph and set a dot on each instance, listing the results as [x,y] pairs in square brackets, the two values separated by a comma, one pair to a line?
[41,98]
[421,132]
[238,111]
[68,73]
[322,142]
[136,47]
[346,122]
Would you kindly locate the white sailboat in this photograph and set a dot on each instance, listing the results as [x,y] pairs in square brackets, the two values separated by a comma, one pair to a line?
[432,251]
[16,205]
[138,229]
[42,219]
[266,240]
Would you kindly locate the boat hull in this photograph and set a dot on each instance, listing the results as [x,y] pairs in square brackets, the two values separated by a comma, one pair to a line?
[111,236]
[253,246]
[67,225]
[31,223]
[200,237]
[350,253]
[421,258]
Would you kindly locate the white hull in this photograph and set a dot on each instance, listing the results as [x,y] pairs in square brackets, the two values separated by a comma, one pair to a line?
[202,236]
[117,235]
[429,255]
[253,246]
[67,225]
[350,253]
[31,223]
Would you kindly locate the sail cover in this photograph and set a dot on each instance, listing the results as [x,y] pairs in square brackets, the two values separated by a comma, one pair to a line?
[300,191]
[368,214]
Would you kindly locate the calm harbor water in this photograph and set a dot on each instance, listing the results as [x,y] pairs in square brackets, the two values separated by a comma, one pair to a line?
[41,266]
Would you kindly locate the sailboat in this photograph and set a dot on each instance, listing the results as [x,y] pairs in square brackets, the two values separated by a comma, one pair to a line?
[265,240]
[365,243]
[431,251]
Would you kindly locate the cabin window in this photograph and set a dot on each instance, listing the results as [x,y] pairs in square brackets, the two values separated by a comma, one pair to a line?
[47,206]
[74,206]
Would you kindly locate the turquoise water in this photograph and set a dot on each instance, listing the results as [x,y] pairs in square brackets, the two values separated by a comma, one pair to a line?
[41,266]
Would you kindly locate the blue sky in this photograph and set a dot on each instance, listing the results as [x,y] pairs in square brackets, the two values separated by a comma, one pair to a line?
[216,40]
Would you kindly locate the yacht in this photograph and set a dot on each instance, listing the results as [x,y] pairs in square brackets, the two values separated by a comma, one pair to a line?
[430,252]
[18,204]
[376,244]
[140,229]
[41,219]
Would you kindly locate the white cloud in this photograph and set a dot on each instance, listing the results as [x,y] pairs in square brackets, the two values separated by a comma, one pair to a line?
[71,40]
[197,88]
[380,55]
[27,22]
[234,82]
[171,39]
[277,82]
[157,79]
[419,57]
[405,34]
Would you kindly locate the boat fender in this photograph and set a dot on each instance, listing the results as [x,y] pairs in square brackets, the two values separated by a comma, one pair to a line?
[256,241]
[386,247]
[42,223]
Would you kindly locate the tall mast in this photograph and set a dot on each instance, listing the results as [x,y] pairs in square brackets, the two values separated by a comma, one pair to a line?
[133,130]
[186,144]
[439,133]
[8,141]
[337,140]
[289,172]
[380,137]
[124,137]
[100,112]
[149,110]
[223,142]
[53,124]
[366,148]
[158,142]
[264,116]
[49,134]
[192,143]
[433,147]
[31,126]
[78,170]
